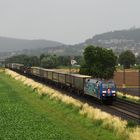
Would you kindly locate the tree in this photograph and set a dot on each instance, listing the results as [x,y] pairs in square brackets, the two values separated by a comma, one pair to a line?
[63,60]
[49,61]
[98,62]
[33,61]
[138,59]
[42,56]
[24,59]
[127,58]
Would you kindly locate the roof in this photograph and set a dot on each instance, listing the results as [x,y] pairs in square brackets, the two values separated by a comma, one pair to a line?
[75,75]
[81,76]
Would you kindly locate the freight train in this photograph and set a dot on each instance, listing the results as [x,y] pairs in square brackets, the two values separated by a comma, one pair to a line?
[102,90]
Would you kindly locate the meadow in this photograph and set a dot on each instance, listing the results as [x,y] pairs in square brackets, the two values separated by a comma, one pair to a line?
[128,97]
[38,112]
[24,115]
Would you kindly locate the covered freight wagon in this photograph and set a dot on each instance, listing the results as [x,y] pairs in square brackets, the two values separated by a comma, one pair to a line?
[77,80]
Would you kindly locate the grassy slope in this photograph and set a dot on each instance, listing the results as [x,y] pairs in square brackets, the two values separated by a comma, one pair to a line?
[23,115]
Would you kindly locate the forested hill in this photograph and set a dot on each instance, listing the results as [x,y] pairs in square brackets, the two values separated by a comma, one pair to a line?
[12,44]
[132,34]
[118,40]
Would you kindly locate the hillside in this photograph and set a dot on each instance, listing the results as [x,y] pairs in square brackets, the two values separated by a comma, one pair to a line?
[131,34]
[31,116]
[118,41]
[12,44]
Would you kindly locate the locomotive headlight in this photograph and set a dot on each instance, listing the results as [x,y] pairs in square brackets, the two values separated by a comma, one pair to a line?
[104,91]
[113,91]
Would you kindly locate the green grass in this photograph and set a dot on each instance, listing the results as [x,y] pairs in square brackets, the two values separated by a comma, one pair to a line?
[24,115]
[129,99]
[132,100]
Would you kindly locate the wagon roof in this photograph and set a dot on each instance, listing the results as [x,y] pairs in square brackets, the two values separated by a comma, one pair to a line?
[81,76]
[17,64]
[75,75]
[42,69]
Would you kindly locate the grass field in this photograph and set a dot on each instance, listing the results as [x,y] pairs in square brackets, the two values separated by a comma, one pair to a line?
[128,97]
[24,115]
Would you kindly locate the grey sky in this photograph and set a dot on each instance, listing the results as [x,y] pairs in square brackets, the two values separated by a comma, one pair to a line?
[67,21]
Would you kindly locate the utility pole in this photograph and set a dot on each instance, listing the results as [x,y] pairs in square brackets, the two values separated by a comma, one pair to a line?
[139,81]
[123,86]
[139,87]
[70,64]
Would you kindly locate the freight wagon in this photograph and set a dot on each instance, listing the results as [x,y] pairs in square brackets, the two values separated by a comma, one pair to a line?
[15,66]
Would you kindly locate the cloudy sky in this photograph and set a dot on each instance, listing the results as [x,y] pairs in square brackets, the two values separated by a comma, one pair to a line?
[67,21]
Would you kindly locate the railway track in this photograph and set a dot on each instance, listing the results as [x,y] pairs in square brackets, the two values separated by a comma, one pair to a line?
[121,108]
[124,109]
[130,91]
[130,109]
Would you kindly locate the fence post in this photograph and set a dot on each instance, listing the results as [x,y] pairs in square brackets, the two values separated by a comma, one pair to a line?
[124,82]
[139,81]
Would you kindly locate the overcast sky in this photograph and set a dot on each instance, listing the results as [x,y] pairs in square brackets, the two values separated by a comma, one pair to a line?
[66,21]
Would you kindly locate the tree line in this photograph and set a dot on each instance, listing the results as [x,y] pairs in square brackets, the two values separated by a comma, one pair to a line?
[96,61]
[44,60]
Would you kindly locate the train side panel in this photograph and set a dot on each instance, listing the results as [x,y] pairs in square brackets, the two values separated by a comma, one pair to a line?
[68,79]
[50,75]
[41,71]
[55,77]
[62,78]
[91,88]
[77,81]
[45,74]
[35,71]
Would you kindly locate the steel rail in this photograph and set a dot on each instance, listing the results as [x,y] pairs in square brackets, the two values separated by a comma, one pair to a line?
[120,111]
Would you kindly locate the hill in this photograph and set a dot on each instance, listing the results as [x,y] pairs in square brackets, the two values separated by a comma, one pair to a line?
[118,41]
[131,34]
[12,44]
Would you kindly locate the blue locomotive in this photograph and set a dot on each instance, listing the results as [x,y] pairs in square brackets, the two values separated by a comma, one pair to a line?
[101,89]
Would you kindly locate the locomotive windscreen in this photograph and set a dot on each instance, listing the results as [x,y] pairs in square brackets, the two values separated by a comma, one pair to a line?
[108,85]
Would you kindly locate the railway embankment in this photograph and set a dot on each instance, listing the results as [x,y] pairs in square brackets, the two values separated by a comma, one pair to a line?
[105,120]
[26,115]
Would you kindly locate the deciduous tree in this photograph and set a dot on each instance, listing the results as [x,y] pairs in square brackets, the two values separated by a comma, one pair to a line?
[99,62]
[127,58]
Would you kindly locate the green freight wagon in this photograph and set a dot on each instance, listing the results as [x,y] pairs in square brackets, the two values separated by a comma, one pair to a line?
[55,76]
[50,74]
[62,78]
[35,71]
[77,81]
